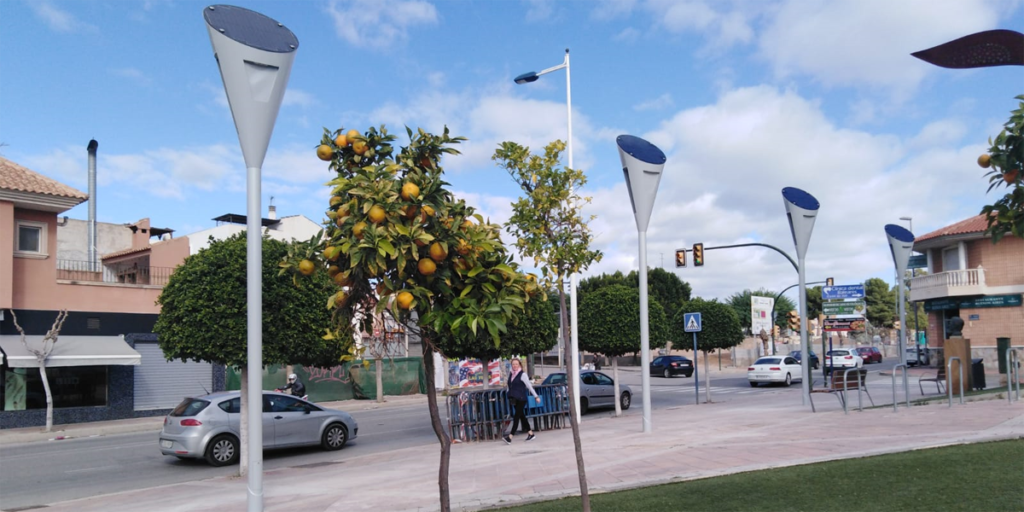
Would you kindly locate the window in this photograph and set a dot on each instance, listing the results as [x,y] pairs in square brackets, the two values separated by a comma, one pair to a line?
[30,239]
[233,406]
[190,407]
[72,386]
[950,259]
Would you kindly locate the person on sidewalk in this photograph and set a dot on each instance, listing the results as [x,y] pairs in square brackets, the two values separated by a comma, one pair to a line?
[518,385]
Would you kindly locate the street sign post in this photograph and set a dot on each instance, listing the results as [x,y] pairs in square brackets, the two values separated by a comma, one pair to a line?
[692,323]
[843,308]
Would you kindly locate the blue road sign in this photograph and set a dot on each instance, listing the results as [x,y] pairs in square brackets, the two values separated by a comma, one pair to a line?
[917,261]
[691,322]
[848,291]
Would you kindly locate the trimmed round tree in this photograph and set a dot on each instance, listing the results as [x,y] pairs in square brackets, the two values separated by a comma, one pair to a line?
[610,324]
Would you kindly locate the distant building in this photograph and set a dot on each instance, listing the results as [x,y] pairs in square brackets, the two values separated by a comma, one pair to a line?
[286,229]
[971,278]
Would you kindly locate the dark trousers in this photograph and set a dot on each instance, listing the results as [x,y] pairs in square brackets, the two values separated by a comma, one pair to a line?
[519,414]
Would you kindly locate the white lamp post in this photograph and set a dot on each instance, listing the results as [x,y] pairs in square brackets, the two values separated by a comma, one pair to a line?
[901,244]
[802,210]
[642,163]
[574,373]
[254,54]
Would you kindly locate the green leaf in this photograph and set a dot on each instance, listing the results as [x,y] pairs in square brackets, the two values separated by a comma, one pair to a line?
[466,290]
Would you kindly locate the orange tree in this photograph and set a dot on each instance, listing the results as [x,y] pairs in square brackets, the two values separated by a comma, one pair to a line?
[1006,159]
[397,242]
[550,229]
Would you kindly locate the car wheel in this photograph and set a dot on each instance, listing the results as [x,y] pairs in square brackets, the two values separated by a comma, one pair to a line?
[753,384]
[625,400]
[334,437]
[789,380]
[816,366]
[667,374]
[584,406]
[222,451]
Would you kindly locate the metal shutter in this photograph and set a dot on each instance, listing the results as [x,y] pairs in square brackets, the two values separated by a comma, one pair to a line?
[161,384]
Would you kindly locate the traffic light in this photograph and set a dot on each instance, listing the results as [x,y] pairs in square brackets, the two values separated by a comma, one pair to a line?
[680,257]
[776,331]
[793,317]
[829,281]
[698,255]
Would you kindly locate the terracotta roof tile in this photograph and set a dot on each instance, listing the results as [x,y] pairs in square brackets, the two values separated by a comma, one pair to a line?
[21,179]
[976,224]
[124,252]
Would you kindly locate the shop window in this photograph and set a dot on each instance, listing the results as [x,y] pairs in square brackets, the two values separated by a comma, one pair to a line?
[72,386]
[30,239]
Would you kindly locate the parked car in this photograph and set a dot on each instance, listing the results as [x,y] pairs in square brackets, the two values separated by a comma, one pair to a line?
[208,426]
[843,358]
[597,390]
[916,356]
[774,369]
[815,363]
[869,354]
[670,366]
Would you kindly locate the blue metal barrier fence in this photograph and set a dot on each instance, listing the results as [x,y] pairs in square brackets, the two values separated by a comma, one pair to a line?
[485,414]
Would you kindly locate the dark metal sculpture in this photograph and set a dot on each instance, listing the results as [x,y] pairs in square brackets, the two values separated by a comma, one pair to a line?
[984,49]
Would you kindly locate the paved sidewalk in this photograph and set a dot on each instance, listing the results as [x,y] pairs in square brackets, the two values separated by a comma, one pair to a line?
[687,443]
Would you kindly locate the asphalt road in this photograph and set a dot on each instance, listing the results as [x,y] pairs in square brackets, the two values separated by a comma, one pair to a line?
[47,472]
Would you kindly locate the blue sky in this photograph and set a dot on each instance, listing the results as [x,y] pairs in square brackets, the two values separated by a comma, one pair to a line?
[744,97]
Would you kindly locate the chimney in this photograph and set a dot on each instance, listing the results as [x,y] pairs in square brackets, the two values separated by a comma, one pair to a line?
[92,204]
[273,213]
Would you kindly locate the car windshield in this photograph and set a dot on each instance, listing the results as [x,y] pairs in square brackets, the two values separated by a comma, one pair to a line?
[190,407]
[768,360]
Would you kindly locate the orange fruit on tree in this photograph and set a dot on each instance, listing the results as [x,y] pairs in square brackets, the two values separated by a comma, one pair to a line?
[339,299]
[410,190]
[461,264]
[1010,176]
[306,267]
[410,211]
[333,270]
[359,147]
[426,163]
[342,279]
[404,300]
[381,290]
[331,252]
[426,266]
[324,152]
[427,209]
[341,140]
[335,200]
[358,229]
[438,252]
[463,248]
[985,160]
[352,135]
[376,214]
[419,243]
[466,224]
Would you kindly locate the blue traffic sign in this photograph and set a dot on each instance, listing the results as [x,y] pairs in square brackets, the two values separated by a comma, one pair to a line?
[849,291]
[691,322]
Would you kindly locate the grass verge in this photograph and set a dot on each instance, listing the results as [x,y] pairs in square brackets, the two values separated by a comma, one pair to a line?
[970,478]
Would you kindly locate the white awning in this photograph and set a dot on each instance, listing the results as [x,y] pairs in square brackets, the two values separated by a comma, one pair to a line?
[70,351]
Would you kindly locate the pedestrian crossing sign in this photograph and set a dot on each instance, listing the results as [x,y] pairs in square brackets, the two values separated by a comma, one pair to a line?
[691,322]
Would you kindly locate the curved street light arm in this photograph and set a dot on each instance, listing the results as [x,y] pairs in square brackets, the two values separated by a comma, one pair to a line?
[776,249]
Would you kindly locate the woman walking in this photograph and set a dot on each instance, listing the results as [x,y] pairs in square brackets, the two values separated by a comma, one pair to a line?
[518,385]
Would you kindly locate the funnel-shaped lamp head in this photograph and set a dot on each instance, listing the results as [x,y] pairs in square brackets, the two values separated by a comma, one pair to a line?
[901,243]
[802,209]
[254,54]
[642,163]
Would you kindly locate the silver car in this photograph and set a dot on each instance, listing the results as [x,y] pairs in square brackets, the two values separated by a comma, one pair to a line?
[596,390]
[208,426]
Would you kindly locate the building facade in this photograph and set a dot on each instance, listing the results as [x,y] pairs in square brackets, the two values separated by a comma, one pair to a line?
[975,280]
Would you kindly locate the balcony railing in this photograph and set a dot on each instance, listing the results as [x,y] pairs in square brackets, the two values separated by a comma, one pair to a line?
[948,284]
[84,271]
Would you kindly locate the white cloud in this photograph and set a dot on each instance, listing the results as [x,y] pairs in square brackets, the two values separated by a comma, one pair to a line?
[627,35]
[133,74]
[379,24]
[660,103]
[60,20]
[867,42]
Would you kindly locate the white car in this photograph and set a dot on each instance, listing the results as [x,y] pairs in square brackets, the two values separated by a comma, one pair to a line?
[842,359]
[768,369]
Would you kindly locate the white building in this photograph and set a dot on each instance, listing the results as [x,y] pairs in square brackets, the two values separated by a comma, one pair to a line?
[285,229]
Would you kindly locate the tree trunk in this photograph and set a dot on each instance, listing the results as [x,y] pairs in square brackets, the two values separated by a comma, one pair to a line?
[49,395]
[580,468]
[439,431]
[707,380]
[380,379]
[615,376]
[243,425]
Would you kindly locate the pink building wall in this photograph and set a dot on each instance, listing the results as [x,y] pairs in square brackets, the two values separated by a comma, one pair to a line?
[6,255]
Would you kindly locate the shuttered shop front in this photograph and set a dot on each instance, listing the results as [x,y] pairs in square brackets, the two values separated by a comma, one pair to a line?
[161,384]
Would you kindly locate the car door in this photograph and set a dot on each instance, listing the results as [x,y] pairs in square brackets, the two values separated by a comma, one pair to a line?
[294,421]
[605,387]
[793,367]
[268,423]
[656,365]
[588,388]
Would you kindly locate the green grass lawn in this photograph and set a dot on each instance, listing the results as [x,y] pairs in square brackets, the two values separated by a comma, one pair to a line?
[984,477]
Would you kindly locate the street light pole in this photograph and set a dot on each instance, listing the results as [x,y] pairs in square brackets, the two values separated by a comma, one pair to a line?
[913,274]
[802,210]
[574,369]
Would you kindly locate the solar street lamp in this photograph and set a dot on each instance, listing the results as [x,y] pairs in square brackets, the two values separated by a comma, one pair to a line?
[802,210]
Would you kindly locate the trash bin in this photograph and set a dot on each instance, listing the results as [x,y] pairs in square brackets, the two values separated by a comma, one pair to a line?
[977,374]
